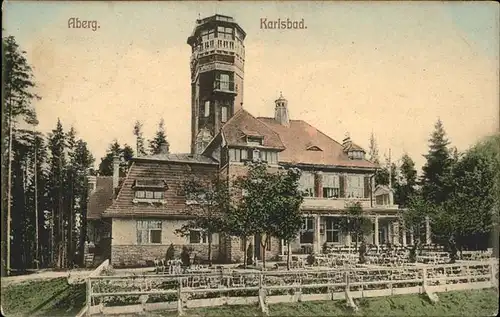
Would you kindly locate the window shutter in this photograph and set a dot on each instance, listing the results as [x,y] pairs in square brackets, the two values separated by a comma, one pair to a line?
[367,187]
[342,180]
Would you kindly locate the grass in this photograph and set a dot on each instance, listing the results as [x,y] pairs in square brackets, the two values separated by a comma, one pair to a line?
[462,303]
[56,298]
[53,297]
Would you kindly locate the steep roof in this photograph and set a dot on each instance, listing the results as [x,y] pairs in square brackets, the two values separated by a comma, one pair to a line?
[243,124]
[172,173]
[304,144]
[178,157]
[101,198]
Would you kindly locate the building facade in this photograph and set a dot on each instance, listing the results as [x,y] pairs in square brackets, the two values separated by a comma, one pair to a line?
[149,205]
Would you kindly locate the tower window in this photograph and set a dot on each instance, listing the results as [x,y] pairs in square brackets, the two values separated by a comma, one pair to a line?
[207,108]
[223,114]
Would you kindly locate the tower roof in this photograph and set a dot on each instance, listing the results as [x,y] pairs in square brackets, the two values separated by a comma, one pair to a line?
[214,20]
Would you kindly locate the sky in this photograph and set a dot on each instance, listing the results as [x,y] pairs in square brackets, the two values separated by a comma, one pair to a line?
[391,68]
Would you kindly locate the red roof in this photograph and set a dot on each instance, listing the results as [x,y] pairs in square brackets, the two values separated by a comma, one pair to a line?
[172,173]
[243,124]
[302,141]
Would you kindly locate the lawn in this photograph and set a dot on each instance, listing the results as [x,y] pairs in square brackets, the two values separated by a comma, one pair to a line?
[54,297]
[463,303]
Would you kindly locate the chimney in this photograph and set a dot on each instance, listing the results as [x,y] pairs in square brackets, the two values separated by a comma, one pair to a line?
[346,142]
[164,148]
[92,182]
[116,171]
[281,111]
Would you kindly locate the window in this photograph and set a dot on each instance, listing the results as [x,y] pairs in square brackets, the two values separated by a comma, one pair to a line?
[271,157]
[256,155]
[238,155]
[244,192]
[306,184]
[355,186]
[332,230]
[307,231]
[148,231]
[225,33]
[223,117]
[268,243]
[331,186]
[197,237]
[224,81]
[207,108]
[149,194]
[251,140]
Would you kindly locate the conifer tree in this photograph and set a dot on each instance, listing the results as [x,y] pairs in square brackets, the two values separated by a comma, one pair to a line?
[159,140]
[140,150]
[437,166]
[17,106]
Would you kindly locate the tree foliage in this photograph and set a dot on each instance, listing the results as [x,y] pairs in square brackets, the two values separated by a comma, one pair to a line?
[437,166]
[267,205]
[207,202]
[406,183]
[355,222]
[373,150]
[159,140]
[125,154]
[139,139]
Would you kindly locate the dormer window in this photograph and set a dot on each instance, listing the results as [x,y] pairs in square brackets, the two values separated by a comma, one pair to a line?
[149,191]
[356,155]
[314,148]
[254,140]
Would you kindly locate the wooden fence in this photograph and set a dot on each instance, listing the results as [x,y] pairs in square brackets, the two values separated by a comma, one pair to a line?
[142,293]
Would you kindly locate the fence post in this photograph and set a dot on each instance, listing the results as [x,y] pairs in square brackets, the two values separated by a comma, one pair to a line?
[89,296]
[493,279]
[180,308]
[262,294]
[348,298]
[424,278]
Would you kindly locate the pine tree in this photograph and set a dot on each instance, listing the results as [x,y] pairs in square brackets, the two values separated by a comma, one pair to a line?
[57,180]
[373,150]
[16,106]
[160,140]
[437,167]
[141,151]
[407,181]
[125,154]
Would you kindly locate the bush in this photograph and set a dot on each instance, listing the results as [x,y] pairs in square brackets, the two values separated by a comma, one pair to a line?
[170,253]
[185,256]
[250,254]
[311,258]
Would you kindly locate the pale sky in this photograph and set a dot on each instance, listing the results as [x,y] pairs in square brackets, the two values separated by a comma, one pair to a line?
[387,67]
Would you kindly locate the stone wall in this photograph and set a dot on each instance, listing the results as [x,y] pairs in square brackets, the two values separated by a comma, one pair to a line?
[141,255]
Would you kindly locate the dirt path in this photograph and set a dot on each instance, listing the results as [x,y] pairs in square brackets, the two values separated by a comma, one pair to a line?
[43,275]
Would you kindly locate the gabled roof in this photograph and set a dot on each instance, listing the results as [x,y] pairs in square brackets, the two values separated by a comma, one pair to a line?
[353,147]
[101,198]
[178,157]
[172,173]
[243,124]
[299,136]
[382,189]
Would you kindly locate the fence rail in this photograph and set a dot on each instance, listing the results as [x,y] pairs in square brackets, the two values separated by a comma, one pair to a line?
[178,292]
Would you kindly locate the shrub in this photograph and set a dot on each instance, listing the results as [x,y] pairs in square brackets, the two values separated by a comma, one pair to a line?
[311,258]
[250,254]
[170,253]
[185,256]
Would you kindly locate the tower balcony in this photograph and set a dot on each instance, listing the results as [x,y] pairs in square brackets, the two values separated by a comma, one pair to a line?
[318,203]
[225,86]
